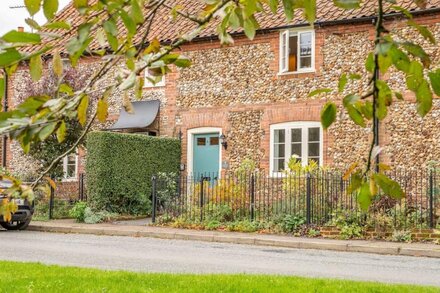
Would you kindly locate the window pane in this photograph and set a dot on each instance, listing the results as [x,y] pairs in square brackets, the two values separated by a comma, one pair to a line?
[314,134]
[278,165]
[316,159]
[296,149]
[213,140]
[71,171]
[306,44]
[293,53]
[279,151]
[279,136]
[71,159]
[314,149]
[305,50]
[296,135]
[201,141]
[306,62]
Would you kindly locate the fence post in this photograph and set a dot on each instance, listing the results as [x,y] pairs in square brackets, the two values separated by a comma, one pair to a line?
[252,189]
[308,198]
[201,198]
[81,186]
[153,198]
[51,202]
[431,200]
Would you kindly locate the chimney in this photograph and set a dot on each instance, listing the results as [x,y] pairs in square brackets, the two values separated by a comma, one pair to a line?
[20,29]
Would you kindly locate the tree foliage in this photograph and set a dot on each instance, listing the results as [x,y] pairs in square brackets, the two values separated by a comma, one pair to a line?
[44,115]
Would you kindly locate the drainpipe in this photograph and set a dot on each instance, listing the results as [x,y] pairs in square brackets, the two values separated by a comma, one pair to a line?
[5,109]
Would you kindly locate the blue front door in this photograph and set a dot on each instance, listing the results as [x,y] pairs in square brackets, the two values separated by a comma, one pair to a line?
[206,148]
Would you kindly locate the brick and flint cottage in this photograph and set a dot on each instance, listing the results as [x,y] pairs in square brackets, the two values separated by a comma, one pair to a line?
[250,99]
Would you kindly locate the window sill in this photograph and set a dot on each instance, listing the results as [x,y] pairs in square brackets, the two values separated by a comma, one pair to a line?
[67,180]
[152,87]
[296,72]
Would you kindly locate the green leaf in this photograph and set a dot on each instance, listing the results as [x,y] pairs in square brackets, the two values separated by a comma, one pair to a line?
[102,111]
[388,186]
[347,4]
[423,30]
[21,37]
[328,114]
[342,82]
[32,23]
[367,110]
[273,4]
[385,62]
[65,88]
[2,88]
[414,76]
[80,4]
[249,28]
[33,6]
[417,51]
[57,64]
[111,27]
[58,25]
[9,57]
[350,99]
[36,67]
[320,91]
[129,82]
[369,63]
[434,77]
[288,9]
[424,98]
[128,22]
[310,10]
[364,196]
[50,8]
[61,132]
[46,131]
[355,115]
[400,59]
[182,62]
[82,110]
[136,12]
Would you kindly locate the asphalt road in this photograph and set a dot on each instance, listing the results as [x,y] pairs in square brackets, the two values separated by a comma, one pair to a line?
[173,256]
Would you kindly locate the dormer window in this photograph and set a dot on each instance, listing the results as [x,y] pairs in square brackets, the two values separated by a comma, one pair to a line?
[297,51]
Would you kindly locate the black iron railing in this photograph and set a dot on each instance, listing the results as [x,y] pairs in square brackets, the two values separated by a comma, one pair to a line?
[319,197]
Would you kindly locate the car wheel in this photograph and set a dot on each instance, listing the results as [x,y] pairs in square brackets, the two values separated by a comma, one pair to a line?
[16,225]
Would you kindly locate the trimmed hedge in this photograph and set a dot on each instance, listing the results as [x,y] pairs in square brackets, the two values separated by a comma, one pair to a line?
[119,168]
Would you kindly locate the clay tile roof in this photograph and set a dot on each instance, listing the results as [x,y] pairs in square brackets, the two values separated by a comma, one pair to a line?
[165,28]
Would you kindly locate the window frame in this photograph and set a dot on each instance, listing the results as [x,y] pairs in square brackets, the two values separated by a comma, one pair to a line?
[284,51]
[66,166]
[287,127]
[149,84]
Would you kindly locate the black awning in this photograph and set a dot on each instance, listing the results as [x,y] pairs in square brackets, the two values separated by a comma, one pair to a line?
[144,114]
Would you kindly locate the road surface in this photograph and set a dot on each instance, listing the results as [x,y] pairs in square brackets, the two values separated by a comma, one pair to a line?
[174,256]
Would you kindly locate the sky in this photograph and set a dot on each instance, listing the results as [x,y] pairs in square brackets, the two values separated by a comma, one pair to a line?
[12,18]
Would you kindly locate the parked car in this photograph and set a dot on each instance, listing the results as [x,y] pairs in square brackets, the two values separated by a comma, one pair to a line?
[22,217]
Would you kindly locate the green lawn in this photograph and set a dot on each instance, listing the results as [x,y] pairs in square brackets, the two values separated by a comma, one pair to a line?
[31,277]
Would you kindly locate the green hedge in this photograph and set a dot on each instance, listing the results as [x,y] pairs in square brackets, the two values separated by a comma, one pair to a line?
[119,168]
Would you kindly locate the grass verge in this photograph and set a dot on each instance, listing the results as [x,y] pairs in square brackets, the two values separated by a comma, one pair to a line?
[34,277]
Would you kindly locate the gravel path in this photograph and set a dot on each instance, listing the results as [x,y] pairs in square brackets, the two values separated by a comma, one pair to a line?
[174,256]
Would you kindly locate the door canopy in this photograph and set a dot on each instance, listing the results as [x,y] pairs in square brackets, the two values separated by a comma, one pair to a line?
[144,114]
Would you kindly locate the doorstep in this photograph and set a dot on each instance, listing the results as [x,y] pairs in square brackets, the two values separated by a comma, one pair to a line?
[367,246]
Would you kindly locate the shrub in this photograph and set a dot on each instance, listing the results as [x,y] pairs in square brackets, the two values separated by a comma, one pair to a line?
[243,226]
[94,217]
[401,236]
[119,168]
[78,211]
[291,223]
